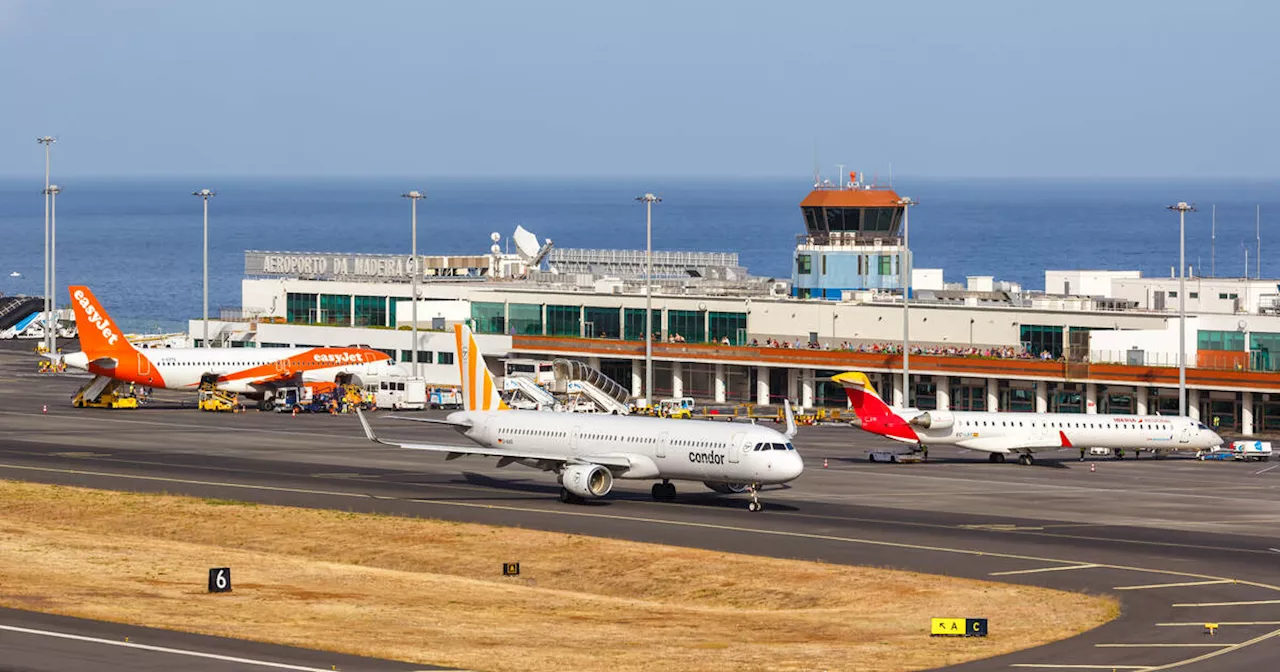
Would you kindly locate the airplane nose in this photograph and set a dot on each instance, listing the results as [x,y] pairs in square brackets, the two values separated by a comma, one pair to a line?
[794,466]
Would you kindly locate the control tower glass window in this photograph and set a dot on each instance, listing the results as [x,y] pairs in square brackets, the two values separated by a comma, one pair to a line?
[878,220]
[813,220]
[844,219]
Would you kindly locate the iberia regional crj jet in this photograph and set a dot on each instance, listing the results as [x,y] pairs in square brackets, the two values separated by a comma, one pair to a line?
[254,372]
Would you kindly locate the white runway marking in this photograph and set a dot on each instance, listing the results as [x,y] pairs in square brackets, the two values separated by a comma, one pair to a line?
[1174,585]
[1263,471]
[1200,624]
[163,649]
[1226,604]
[1163,646]
[1043,569]
[1055,666]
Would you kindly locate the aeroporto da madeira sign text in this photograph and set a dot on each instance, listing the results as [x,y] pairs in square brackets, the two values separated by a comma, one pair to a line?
[334,264]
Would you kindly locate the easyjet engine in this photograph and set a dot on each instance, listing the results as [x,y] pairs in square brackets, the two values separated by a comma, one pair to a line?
[587,480]
[934,420]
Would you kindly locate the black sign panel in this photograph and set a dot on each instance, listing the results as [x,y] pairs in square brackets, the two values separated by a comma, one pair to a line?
[220,580]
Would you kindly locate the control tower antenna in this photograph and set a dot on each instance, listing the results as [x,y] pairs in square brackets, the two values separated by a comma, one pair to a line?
[1213,242]
[1258,233]
[840,173]
[817,174]
[890,174]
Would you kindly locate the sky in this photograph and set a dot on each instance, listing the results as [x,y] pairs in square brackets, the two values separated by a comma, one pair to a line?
[1135,89]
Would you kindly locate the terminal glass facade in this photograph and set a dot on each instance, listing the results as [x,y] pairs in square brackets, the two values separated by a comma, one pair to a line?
[564,320]
[335,309]
[602,322]
[1220,340]
[634,322]
[300,308]
[728,325]
[371,311]
[525,319]
[1037,339]
[688,324]
[489,318]
[1264,351]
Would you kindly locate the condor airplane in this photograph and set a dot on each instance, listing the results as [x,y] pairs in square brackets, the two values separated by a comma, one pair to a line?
[1021,434]
[254,372]
[588,451]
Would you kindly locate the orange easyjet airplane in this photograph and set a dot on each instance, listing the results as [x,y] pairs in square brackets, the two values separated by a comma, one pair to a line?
[254,372]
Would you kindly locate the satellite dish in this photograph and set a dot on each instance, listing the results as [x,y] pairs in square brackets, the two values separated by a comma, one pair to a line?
[495,236]
[526,243]
[496,249]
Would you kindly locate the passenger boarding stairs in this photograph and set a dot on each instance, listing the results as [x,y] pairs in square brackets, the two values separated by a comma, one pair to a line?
[534,392]
[13,309]
[93,390]
[602,390]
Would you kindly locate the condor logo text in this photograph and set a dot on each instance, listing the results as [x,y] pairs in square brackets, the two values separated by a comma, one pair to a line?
[97,319]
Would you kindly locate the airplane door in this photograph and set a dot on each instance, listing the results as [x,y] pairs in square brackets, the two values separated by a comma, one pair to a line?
[734,446]
[663,439]
[1184,434]
[144,365]
[573,440]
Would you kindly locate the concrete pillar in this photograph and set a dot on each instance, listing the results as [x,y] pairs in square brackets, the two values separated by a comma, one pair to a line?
[899,399]
[762,386]
[637,378]
[721,384]
[1091,398]
[1042,397]
[1140,400]
[806,388]
[594,362]
[677,379]
[793,384]
[1193,404]
[993,395]
[1246,414]
[943,384]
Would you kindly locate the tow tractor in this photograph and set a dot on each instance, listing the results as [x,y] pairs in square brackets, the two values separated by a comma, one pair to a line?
[218,401]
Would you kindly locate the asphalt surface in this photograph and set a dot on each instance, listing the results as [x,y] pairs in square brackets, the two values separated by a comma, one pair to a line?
[1181,543]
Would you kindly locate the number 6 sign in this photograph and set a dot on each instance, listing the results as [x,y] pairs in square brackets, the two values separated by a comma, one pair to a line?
[220,580]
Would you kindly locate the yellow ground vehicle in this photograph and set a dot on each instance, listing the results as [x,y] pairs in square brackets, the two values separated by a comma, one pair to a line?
[106,400]
[219,401]
[681,407]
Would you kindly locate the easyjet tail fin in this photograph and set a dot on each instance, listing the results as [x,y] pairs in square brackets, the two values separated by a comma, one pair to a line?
[99,335]
[479,392]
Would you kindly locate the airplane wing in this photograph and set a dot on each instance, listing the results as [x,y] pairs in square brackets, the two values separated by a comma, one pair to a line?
[613,461]
[1009,444]
[434,421]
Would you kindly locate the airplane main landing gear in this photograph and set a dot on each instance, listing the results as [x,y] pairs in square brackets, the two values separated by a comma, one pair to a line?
[997,458]
[570,498]
[664,491]
[754,505]
[1025,459]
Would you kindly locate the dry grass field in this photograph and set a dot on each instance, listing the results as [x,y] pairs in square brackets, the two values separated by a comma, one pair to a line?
[429,591]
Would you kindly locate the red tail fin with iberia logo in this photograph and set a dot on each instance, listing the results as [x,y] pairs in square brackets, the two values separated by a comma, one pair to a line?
[99,335]
[874,415]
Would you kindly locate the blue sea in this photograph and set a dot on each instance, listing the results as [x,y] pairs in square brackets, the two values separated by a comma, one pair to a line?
[137,242]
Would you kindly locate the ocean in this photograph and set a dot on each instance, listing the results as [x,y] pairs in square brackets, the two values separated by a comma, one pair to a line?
[137,242]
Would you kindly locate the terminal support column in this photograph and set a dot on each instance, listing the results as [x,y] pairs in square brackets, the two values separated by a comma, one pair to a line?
[1193,404]
[1091,398]
[1140,400]
[898,398]
[762,386]
[943,386]
[806,388]
[720,384]
[637,379]
[993,395]
[1042,397]
[793,384]
[1246,413]
[594,362]
[677,379]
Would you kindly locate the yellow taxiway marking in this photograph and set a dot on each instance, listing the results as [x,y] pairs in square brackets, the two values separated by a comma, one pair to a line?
[1200,624]
[1226,604]
[1174,585]
[1063,568]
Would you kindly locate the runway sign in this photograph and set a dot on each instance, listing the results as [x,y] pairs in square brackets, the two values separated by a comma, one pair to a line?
[220,580]
[958,627]
[511,569]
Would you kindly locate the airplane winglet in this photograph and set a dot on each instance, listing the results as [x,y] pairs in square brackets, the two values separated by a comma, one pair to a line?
[791,419]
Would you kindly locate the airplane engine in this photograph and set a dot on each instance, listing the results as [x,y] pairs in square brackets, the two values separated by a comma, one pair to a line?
[934,420]
[727,488]
[587,480]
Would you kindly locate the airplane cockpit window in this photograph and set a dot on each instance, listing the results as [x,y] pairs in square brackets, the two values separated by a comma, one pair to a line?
[790,447]
[1201,425]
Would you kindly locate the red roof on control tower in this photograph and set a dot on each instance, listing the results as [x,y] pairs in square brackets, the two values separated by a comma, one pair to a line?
[851,197]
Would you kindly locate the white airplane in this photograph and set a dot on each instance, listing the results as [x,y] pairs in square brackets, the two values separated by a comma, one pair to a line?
[1021,434]
[250,371]
[588,451]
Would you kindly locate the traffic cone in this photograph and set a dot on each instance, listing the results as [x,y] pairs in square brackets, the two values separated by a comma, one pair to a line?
[295,411]
[44,408]
[824,463]
[1092,467]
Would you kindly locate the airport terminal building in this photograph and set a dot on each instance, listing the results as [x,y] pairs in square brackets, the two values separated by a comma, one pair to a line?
[1093,342]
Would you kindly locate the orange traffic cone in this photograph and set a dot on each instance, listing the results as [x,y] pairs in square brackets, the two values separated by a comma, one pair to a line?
[44,408]
[295,411]
[1092,467]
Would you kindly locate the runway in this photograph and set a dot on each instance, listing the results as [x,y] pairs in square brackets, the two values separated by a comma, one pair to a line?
[1180,542]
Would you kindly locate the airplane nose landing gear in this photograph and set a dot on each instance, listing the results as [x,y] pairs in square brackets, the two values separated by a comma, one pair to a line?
[754,505]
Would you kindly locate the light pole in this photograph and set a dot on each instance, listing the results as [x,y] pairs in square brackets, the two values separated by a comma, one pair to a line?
[52,194]
[1182,208]
[414,272]
[906,204]
[648,200]
[47,141]
[205,195]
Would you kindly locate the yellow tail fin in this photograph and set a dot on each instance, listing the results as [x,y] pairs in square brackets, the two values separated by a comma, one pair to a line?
[479,392]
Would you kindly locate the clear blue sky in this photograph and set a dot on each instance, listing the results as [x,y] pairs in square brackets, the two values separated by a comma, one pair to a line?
[1169,88]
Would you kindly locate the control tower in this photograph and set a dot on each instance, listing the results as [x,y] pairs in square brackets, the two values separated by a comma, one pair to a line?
[852,241]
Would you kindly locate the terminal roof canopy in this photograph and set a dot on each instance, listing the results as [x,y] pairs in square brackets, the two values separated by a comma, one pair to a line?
[864,213]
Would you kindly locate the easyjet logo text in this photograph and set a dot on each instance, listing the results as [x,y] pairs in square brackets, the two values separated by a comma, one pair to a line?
[97,319]
[339,358]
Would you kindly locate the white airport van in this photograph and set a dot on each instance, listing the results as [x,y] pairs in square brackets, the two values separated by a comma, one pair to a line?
[402,393]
